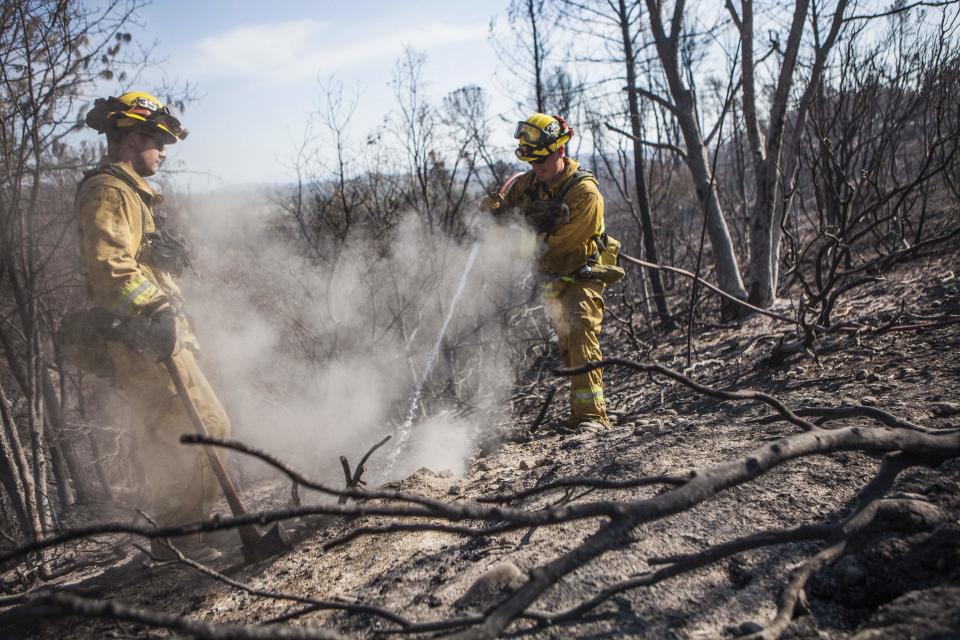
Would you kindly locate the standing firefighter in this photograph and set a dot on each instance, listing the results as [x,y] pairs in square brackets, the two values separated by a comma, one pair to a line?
[129,261]
[576,258]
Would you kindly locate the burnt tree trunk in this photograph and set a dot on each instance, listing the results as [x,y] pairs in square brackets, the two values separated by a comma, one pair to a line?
[697,154]
[643,200]
[21,469]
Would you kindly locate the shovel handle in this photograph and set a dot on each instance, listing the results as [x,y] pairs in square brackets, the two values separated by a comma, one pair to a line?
[248,533]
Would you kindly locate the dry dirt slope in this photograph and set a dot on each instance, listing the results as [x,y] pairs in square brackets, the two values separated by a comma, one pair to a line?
[900,580]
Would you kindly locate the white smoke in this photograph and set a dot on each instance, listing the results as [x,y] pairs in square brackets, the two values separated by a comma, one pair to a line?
[313,361]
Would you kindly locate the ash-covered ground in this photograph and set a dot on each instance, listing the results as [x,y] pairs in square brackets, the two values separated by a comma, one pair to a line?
[900,578]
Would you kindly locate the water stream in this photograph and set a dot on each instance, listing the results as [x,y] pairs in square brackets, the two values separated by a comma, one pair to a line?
[403,432]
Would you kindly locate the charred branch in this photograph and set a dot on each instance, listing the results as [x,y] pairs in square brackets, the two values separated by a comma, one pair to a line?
[648,367]
[59,603]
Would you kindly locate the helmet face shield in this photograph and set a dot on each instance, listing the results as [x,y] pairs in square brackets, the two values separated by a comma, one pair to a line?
[158,116]
[146,112]
[532,135]
[168,123]
[539,136]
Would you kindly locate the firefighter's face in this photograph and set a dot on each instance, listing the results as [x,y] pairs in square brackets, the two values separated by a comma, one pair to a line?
[149,153]
[550,169]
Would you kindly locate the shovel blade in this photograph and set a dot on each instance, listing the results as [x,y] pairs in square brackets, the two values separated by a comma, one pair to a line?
[272,543]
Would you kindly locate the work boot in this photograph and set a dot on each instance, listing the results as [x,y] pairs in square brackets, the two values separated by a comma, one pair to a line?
[590,426]
[191,547]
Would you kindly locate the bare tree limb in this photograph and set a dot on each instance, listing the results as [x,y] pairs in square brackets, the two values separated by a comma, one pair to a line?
[839,413]
[648,143]
[315,604]
[663,102]
[892,465]
[593,483]
[355,481]
[866,504]
[296,476]
[552,391]
[897,7]
[52,602]
[712,287]
[923,325]
[703,485]
[649,367]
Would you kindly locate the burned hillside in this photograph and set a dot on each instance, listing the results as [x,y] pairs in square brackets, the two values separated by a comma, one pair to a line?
[676,359]
[718,564]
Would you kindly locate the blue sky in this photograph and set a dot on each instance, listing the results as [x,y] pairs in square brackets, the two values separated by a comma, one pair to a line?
[259,68]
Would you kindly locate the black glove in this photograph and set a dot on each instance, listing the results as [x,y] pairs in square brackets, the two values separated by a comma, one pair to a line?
[159,333]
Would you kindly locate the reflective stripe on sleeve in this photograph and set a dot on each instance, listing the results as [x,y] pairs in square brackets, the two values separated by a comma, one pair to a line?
[135,293]
[586,395]
[550,289]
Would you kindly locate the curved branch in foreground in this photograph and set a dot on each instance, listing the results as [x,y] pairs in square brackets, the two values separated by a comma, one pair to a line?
[615,534]
[650,367]
[299,478]
[622,517]
[858,411]
[64,603]
[314,603]
[866,505]
[892,465]
[702,486]
[585,483]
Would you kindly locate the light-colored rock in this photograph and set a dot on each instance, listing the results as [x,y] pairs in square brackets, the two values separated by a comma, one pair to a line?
[493,586]
[907,515]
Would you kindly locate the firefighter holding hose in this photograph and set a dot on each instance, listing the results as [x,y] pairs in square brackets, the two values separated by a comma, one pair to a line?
[576,259]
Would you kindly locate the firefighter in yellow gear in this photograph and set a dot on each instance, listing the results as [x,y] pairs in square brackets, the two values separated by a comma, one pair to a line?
[576,259]
[130,261]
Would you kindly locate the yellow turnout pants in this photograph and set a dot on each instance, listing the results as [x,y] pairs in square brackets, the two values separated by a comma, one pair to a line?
[575,310]
[180,485]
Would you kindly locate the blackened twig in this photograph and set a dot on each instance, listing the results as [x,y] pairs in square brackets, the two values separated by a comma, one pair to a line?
[720,394]
[552,391]
[581,482]
[65,603]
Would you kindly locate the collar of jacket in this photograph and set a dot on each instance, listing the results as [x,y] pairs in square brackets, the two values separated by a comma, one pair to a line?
[146,191]
[569,168]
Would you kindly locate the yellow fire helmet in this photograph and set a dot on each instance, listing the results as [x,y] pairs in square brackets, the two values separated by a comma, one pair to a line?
[136,109]
[540,135]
